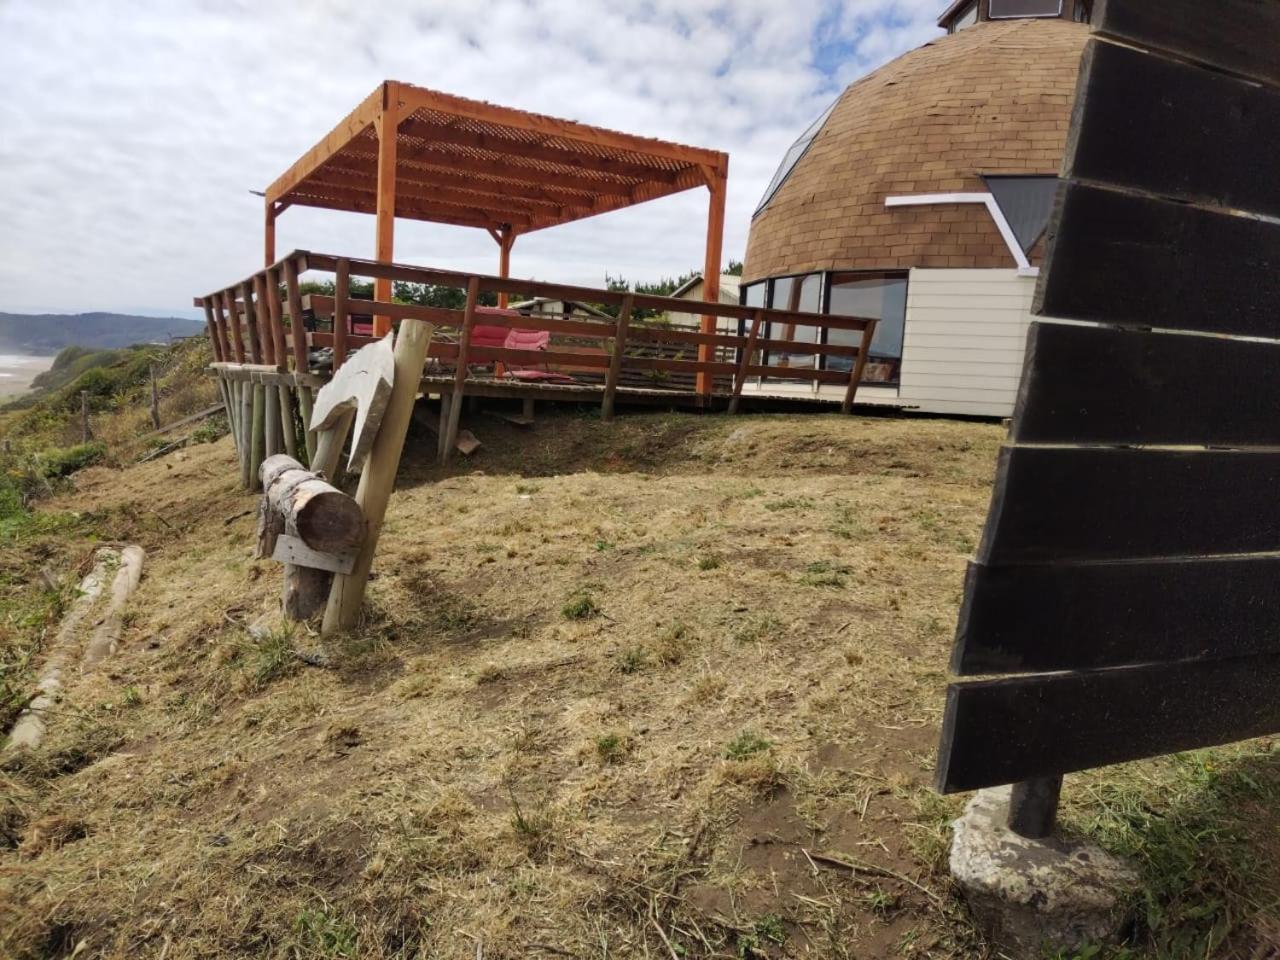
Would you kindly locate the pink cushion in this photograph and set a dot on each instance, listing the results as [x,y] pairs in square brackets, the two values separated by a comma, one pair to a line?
[487,335]
[527,340]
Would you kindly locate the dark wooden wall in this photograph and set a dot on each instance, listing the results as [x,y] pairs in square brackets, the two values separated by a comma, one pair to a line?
[1129,574]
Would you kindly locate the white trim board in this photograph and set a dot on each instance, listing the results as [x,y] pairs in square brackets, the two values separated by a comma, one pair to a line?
[1025,269]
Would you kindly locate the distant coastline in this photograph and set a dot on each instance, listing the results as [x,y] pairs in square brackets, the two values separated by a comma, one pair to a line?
[17,370]
[43,335]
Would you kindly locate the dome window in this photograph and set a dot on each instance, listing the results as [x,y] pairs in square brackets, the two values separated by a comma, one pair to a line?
[1008,9]
[792,157]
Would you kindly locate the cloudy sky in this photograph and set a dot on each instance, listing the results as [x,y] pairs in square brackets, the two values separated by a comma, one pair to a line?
[132,131]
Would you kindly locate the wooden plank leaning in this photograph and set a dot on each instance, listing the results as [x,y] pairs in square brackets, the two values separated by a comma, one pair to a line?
[744,362]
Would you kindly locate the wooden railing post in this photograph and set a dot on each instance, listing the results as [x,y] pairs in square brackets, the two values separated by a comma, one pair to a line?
[276,313]
[744,363]
[855,375]
[155,398]
[615,361]
[214,343]
[460,374]
[341,293]
[219,301]
[301,361]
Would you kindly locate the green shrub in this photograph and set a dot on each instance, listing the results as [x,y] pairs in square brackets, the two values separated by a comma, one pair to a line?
[66,461]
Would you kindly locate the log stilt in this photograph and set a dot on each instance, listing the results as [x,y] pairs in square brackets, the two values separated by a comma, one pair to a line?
[304,409]
[257,438]
[287,430]
[246,433]
[329,444]
[271,421]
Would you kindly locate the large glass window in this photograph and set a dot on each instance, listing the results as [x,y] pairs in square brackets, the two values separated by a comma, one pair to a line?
[882,296]
[1002,9]
[803,294]
[792,157]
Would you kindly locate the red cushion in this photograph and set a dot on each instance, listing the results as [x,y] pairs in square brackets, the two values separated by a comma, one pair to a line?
[487,335]
[527,340]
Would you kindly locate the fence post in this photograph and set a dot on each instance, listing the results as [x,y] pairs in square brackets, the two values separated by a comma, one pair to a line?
[855,375]
[84,416]
[155,400]
[460,374]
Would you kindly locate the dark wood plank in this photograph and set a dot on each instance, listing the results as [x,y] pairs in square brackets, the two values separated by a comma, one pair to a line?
[1005,731]
[1173,129]
[1030,619]
[1239,36]
[1119,258]
[1061,504]
[1107,385]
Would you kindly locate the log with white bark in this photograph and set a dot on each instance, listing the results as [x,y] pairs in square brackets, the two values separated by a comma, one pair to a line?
[312,509]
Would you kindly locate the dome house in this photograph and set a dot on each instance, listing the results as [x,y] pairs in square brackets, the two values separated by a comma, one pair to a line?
[921,197]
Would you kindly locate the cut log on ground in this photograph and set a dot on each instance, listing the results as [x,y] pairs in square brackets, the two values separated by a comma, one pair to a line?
[378,478]
[106,636]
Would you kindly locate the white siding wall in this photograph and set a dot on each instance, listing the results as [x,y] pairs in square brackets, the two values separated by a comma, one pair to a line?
[965,337]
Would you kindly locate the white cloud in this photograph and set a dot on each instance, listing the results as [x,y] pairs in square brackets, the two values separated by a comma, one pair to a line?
[131,133]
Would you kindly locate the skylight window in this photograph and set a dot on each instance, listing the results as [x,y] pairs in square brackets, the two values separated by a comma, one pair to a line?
[1004,9]
[792,157]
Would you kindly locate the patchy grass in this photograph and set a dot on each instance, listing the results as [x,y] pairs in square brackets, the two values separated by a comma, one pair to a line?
[476,770]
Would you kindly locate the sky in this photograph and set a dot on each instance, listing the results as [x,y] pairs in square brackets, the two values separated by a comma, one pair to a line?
[132,132]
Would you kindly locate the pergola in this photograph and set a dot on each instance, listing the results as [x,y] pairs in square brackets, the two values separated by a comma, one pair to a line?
[419,154]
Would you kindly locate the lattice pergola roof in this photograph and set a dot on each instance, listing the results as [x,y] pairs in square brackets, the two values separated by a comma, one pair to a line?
[474,164]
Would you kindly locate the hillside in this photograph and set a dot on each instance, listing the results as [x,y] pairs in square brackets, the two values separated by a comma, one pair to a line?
[46,333]
[668,687]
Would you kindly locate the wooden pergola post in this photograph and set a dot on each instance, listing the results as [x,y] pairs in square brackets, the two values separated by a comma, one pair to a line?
[387,124]
[269,235]
[506,237]
[717,180]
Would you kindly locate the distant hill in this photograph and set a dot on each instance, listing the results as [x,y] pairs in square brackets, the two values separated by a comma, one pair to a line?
[47,333]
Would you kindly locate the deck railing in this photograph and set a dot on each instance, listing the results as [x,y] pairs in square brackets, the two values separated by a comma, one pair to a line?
[252,321]
[265,331]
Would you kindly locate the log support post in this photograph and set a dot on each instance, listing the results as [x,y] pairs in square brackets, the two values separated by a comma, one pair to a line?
[378,478]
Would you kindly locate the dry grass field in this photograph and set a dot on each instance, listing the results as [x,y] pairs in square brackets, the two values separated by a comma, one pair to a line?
[664,688]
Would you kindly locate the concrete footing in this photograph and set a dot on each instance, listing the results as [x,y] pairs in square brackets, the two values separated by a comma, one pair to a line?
[1032,894]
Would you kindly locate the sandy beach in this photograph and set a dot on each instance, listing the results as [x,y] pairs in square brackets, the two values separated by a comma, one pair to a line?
[17,372]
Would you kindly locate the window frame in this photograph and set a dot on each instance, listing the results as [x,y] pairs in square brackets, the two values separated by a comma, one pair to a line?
[870,274]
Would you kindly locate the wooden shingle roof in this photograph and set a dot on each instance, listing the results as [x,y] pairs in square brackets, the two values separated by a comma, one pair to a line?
[992,99]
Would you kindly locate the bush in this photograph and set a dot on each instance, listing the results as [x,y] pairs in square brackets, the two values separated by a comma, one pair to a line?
[66,461]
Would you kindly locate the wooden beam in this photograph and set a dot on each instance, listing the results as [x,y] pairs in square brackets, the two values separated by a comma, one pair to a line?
[256,347]
[404,211]
[711,271]
[351,126]
[219,299]
[615,359]
[475,208]
[214,340]
[365,166]
[561,156]
[388,126]
[493,200]
[417,97]
[265,333]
